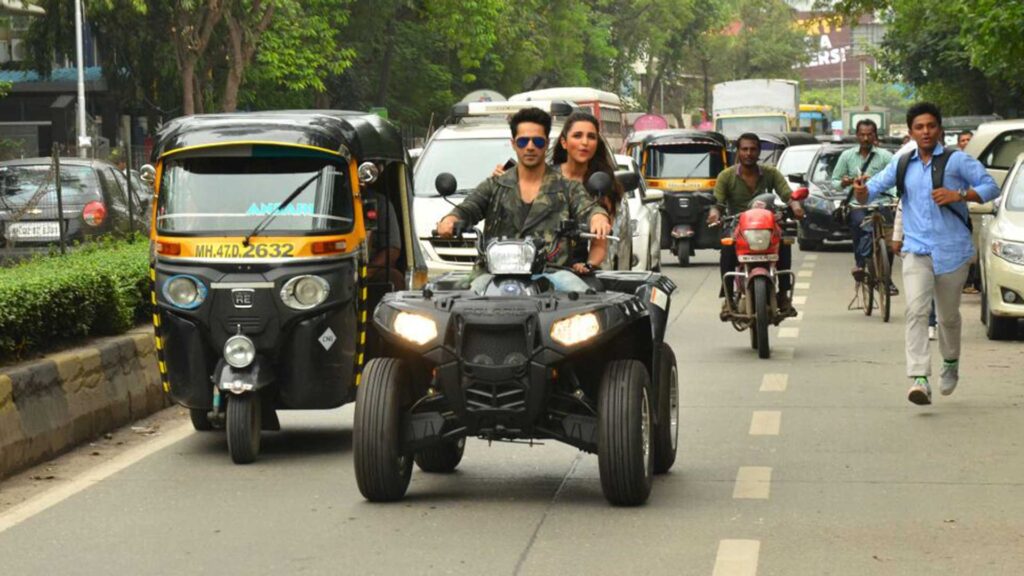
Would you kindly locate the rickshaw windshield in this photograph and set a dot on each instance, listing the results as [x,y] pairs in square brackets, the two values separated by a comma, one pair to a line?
[224,195]
[684,161]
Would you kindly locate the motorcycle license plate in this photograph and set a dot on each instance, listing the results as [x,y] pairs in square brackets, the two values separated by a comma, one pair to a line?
[758,258]
[33,231]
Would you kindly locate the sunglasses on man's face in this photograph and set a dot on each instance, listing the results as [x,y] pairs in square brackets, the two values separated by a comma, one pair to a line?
[538,141]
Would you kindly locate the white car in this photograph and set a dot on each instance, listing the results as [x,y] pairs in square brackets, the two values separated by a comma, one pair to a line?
[1001,252]
[797,159]
[644,208]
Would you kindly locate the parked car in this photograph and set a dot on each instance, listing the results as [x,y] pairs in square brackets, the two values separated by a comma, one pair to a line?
[1001,253]
[646,218]
[774,144]
[996,145]
[93,194]
[797,159]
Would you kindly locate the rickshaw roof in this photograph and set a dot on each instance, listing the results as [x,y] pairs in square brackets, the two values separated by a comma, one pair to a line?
[669,137]
[366,136]
[788,138]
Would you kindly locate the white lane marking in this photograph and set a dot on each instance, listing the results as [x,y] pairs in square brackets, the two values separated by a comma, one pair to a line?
[58,494]
[810,256]
[802,286]
[805,273]
[737,558]
[766,423]
[774,382]
[809,265]
[799,316]
[783,352]
[789,332]
[799,299]
[753,483]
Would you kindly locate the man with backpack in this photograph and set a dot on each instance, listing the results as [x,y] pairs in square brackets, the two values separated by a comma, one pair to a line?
[935,185]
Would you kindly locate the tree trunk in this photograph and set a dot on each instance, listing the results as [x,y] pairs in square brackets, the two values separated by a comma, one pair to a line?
[188,81]
[242,47]
[385,67]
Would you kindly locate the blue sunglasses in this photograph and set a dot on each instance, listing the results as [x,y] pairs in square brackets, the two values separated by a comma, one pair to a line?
[538,141]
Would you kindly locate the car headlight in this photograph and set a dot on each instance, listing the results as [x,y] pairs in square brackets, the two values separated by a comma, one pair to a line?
[511,257]
[758,239]
[184,291]
[1010,251]
[575,329]
[634,225]
[415,328]
[305,292]
[239,351]
[817,203]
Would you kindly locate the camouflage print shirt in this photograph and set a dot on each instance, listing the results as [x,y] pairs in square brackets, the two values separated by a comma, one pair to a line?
[498,200]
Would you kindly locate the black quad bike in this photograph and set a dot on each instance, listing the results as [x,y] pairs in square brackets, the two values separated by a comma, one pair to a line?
[525,352]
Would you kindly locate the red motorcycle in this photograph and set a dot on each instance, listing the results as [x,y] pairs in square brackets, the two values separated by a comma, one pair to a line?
[752,290]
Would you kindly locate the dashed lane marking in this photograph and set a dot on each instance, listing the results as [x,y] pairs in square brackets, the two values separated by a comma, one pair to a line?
[810,256]
[753,483]
[799,299]
[805,273]
[802,286]
[737,558]
[774,382]
[789,332]
[783,352]
[809,265]
[766,423]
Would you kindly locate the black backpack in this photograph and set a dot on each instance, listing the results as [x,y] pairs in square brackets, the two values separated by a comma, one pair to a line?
[938,173]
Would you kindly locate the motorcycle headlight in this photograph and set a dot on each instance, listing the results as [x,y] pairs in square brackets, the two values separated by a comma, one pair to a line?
[415,328]
[511,257]
[758,239]
[575,329]
[305,292]
[1012,252]
[185,292]
[239,351]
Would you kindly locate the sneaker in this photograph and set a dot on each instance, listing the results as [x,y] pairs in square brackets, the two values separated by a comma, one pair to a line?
[970,290]
[949,377]
[920,393]
[893,290]
[932,334]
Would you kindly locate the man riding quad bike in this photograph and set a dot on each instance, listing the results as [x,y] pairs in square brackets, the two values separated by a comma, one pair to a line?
[527,351]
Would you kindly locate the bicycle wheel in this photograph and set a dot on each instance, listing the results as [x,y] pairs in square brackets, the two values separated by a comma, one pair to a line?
[867,294]
[884,279]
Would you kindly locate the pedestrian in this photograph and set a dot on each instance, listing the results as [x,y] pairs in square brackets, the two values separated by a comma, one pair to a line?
[937,248]
[963,139]
[897,246]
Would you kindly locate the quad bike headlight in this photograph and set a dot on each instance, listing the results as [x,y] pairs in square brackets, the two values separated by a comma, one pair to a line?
[575,329]
[758,239]
[185,292]
[305,292]
[511,257]
[415,328]
[239,351]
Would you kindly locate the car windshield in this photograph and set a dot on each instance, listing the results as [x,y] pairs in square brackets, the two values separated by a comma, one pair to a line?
[470,161]
[26,180]
[223,195]
[821,172]
[796,160]
[1013,197]
[733,127]
[684,161]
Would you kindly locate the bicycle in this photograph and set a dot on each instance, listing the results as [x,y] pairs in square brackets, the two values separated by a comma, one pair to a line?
[877,278]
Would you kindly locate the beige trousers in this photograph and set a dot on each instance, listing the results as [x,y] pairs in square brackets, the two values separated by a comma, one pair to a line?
[921,285]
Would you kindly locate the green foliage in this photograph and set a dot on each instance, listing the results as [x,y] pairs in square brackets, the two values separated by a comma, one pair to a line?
[879,94]
[100,289]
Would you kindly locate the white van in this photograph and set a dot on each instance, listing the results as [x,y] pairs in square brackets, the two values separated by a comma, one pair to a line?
[605,106]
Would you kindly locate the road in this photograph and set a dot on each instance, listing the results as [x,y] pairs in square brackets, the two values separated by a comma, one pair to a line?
[812,462]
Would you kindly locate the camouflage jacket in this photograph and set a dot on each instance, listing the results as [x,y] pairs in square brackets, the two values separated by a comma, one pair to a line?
[497,200]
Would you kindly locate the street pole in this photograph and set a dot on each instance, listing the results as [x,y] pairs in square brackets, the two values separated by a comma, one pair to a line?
[863,81]
[842,91]
[60,195]
[83,138]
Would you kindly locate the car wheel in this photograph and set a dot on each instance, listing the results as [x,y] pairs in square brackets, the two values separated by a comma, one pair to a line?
[383,470]
[624,434]
[443,458]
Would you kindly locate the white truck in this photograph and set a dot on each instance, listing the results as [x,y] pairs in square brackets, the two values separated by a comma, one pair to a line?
[756,105]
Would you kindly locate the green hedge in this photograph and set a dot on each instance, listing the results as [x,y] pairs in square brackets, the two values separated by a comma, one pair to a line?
[99,289]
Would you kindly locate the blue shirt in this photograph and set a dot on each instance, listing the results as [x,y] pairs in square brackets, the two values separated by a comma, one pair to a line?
[930,229]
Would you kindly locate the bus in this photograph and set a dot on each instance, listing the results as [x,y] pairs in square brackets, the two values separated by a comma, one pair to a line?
[815,118]
[605,106]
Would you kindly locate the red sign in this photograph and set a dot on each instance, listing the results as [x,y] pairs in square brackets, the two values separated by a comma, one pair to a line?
[650,122]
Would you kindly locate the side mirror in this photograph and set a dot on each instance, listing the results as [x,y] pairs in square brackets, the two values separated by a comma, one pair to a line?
[800,194]
[797,179]
[988,208]
[445,184]
[599,184]
[368,173]
[655,195]
[147,173]
[630,180]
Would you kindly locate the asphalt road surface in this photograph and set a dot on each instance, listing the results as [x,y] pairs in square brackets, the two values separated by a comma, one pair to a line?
[812,462]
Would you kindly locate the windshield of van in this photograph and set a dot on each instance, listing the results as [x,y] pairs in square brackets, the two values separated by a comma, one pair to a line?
[470,161]
[225,195]
[684,161]
[733,127]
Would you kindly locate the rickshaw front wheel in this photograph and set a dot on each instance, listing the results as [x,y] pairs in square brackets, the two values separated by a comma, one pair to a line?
[244,423]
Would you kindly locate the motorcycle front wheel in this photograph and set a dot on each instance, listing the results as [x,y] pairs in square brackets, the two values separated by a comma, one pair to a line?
[762,300]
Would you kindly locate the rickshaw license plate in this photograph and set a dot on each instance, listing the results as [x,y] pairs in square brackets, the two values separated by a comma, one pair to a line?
[33,230]
[271,250]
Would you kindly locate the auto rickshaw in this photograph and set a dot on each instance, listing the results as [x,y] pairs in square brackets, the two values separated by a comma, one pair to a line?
[685,164]
[273,236]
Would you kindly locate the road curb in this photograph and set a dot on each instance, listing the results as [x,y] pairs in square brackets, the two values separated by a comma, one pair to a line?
[51,405]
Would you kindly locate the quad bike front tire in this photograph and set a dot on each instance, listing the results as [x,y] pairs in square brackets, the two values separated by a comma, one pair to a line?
[624,434]
[383,470]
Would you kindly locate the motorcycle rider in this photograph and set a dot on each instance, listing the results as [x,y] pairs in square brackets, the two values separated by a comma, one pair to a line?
[735,188]
[533,199]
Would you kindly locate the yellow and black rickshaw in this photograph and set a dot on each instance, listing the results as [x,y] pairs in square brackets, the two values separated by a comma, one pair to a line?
[274,234]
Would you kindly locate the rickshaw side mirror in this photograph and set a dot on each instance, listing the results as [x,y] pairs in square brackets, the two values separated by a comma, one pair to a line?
[630,180]
[797,179]
[599,184]
[445,184]
[368,173]
[147,173]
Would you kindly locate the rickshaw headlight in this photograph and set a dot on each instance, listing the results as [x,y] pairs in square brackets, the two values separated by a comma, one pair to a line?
[575,329]
[305,292]
[185,292]
[239,351]
[758,239]
[415,328]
